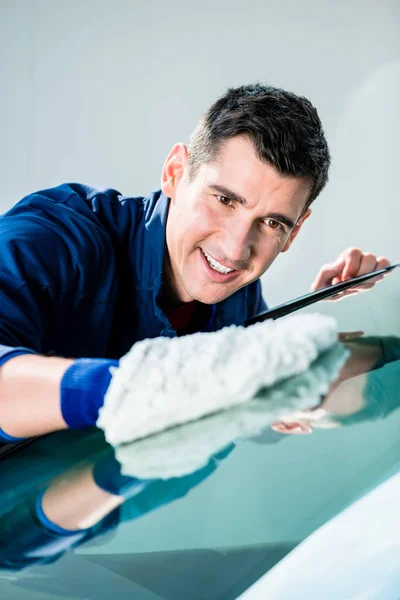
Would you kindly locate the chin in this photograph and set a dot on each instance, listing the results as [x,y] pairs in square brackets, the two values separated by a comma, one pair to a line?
[210,297]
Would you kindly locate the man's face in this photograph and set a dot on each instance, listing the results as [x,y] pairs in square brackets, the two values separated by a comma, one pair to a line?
[238,214]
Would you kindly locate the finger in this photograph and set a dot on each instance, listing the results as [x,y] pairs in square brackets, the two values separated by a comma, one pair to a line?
[299,427]
[364,287]
[368,263]
[327,274]
[375,280]
[342,295]
[369,284]
[357,290]
[352,264]
[334,298]
[349,335]
[382,262]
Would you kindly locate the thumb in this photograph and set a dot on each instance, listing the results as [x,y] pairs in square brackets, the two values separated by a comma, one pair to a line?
[327,274]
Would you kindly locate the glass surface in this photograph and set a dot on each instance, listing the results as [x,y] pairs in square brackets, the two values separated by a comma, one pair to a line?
[241,515]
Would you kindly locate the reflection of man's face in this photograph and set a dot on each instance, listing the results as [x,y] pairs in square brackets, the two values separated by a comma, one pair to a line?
[227,226]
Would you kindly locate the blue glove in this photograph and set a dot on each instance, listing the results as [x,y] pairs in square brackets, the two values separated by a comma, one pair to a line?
[83,388]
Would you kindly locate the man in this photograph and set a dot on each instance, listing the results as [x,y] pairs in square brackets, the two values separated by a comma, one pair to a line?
[88,273]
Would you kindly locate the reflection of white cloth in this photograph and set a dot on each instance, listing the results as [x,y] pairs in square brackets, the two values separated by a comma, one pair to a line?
[355,556]
[186,448]
[163,382]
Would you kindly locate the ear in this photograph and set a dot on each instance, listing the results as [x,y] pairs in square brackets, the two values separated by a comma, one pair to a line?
[173,169]
[296,230]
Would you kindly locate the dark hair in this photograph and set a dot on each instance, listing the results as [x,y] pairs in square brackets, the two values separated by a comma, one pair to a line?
[285,129]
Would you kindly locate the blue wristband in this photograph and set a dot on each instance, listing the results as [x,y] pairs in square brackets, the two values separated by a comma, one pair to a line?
[83,387]
[14,352]
[4,437]
[46,522]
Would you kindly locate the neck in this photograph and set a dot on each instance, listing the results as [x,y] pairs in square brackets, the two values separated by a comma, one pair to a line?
[169,296]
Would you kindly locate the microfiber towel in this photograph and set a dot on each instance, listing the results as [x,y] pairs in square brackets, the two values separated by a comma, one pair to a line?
[165,382]
[183,449]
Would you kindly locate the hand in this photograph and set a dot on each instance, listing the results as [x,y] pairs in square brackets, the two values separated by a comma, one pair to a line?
[350,263]
[184,449]
[164,382]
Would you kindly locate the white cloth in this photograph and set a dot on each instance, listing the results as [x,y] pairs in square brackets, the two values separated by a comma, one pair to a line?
[164,382]
[183,449]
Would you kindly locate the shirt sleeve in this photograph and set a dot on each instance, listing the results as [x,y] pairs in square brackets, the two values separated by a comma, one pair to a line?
[47,249]
[29,542]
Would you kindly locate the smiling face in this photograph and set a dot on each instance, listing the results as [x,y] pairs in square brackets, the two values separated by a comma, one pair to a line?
[228,225]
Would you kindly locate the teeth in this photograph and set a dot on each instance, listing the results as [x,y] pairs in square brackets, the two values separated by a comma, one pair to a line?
[216,265]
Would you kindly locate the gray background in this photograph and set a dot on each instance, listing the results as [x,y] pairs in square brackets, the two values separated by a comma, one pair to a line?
[98,91]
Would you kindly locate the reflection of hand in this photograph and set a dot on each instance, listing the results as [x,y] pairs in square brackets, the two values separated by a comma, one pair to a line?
[350,263]
[372,396]
[368,353]
[364,398]
[143,496]
[184,449]
[345,336]
[164,382]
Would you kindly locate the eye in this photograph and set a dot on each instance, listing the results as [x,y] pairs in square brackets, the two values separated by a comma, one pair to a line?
[224,200]
[273,224]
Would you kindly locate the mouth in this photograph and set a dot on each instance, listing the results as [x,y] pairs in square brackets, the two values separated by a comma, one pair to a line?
[215,270]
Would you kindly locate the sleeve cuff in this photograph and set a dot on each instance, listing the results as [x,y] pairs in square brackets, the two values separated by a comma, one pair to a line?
[14,352]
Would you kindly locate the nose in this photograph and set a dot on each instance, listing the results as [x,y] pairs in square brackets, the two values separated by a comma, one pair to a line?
[236,243]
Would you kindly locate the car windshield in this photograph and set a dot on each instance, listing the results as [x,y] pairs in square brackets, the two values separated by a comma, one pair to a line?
[239,519]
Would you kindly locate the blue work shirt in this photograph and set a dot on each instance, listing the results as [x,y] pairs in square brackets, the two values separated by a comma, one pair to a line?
[82,271]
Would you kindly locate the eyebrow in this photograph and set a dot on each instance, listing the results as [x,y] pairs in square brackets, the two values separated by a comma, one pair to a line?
[224,191]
